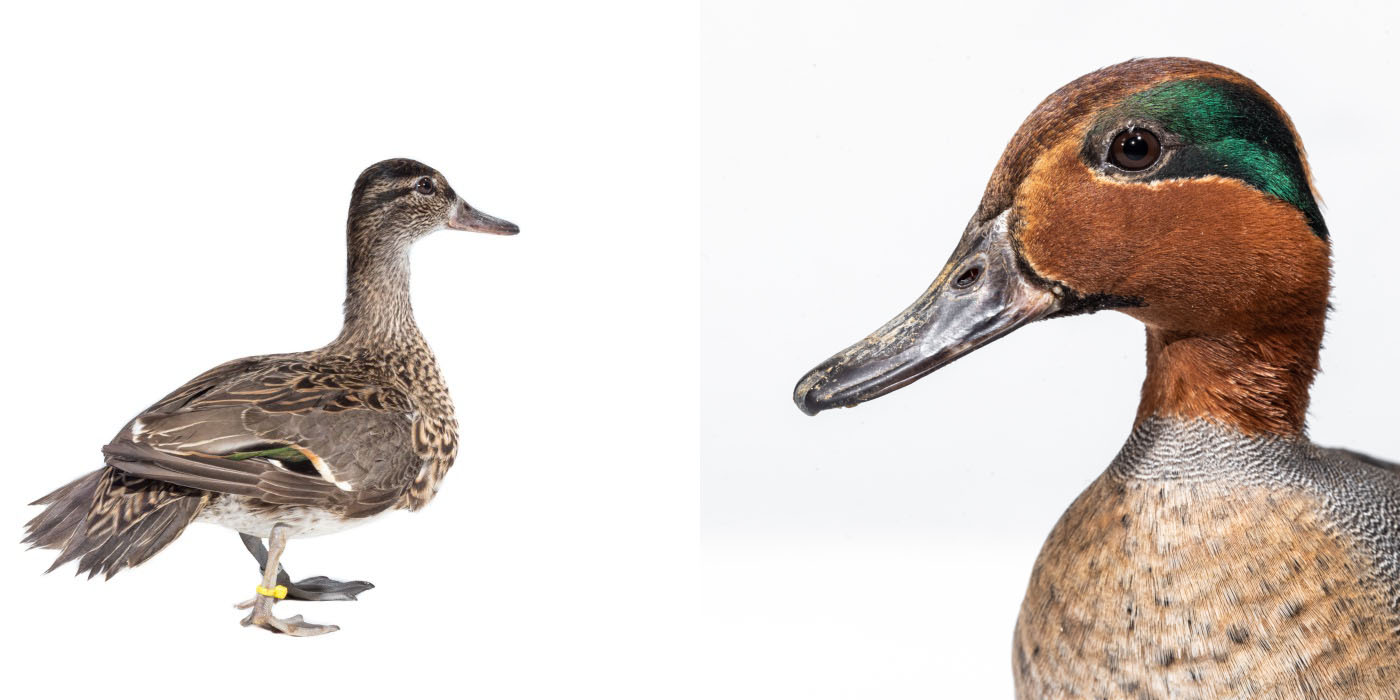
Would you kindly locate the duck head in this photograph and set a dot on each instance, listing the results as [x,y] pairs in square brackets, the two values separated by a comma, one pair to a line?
[398,201]
[1171,189]
[394,203]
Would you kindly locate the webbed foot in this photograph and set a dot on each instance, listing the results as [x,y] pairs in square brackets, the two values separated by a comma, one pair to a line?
[313,588]
[293,625]
[323,588]
[271,591]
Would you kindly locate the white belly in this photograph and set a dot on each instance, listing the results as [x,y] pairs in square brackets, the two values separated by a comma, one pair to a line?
[231,512]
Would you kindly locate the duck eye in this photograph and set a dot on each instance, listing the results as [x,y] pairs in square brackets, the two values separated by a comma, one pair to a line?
[425,186]
[1134,149]
[967,277]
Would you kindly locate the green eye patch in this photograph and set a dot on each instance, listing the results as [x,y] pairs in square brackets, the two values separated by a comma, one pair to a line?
[1226,130]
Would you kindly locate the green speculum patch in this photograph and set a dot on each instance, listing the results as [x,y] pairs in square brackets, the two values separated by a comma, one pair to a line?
[285,454]
[1227,131]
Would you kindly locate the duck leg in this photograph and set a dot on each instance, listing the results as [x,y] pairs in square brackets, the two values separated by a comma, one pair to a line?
[314,588]
[262,604]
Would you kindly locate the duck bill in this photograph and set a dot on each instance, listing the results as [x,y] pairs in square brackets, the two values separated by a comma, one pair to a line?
[982,294]
[465,218]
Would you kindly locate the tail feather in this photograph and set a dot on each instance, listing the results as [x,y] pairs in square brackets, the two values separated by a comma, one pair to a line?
[109,520]
[68,506]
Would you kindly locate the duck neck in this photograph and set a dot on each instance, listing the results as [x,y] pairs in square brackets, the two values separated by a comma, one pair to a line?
[378,312]
[1254,381]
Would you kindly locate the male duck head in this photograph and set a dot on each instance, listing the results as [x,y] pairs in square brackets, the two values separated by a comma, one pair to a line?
[1172,189]
[399,200]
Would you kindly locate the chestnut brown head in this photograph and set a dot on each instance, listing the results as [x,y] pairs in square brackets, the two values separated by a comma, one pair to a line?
[1172,189]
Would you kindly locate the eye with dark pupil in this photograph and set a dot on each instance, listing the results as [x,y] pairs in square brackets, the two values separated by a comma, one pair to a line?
[425,186]
[967,277]
[1134,149]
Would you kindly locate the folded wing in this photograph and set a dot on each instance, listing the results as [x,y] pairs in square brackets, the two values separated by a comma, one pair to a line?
[331,432]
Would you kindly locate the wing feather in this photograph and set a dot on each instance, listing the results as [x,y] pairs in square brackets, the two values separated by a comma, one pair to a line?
[351,418]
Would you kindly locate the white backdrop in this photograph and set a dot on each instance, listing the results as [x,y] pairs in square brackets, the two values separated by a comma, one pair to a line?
[882,551]
[175,186]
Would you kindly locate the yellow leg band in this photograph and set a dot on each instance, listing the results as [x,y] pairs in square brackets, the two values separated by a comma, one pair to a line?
[278,592]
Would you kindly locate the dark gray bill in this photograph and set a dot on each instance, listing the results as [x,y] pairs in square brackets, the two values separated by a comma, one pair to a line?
[980,296]
[464,218]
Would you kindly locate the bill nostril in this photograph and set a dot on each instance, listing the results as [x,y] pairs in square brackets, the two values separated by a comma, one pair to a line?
[968,277]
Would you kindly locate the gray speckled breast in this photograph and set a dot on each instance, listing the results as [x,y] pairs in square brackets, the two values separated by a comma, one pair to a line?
[1361,495]
[1207,564]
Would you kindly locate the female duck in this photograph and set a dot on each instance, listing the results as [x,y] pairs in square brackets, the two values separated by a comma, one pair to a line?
[289,445]
[1221,554]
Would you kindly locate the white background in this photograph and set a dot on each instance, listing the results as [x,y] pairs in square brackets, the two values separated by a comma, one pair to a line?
[882,551]
[175,185]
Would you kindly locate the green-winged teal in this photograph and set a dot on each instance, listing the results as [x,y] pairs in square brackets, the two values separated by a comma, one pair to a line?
[1222,554]
[289,445]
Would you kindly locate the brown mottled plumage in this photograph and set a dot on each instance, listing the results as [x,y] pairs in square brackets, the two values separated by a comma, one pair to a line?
[1222,554]
[304,443]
